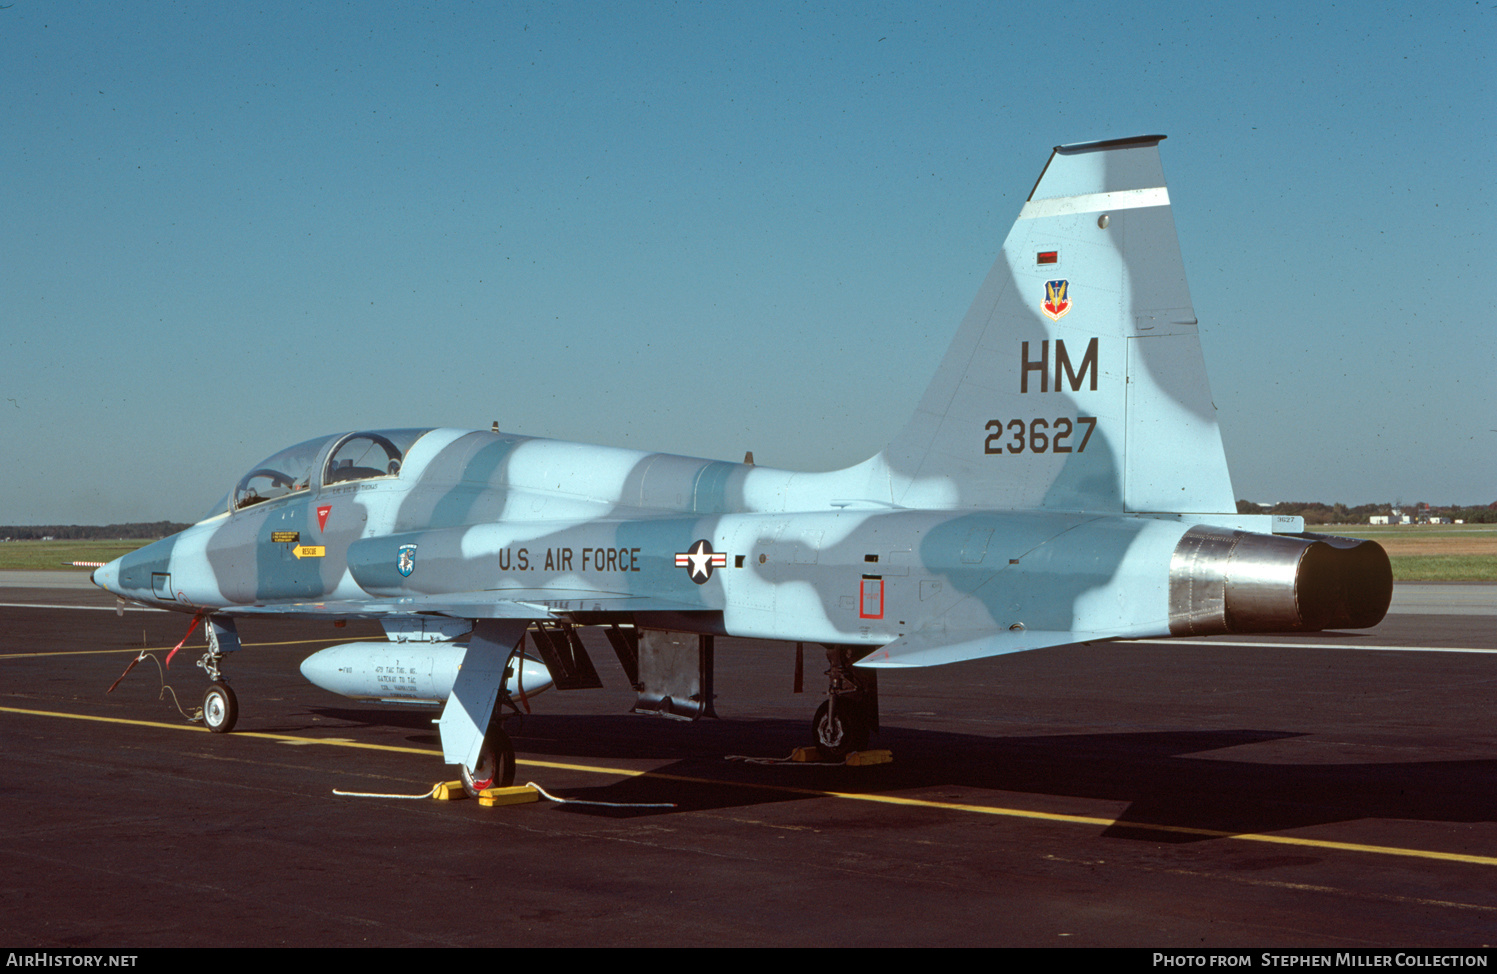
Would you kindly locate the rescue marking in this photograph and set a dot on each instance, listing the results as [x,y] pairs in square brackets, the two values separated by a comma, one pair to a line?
[285,537]
[322,513]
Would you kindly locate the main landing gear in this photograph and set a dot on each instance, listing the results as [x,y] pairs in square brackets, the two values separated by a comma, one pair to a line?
[849,715]
[840,727]
[495,651]
[496,763]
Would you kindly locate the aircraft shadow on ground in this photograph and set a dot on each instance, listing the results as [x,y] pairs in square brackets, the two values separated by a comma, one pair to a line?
[1171,780]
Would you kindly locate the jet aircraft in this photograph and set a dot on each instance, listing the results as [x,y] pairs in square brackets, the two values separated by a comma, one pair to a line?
[1062,481]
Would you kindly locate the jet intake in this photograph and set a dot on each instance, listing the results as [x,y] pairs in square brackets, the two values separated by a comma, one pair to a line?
[1225,581]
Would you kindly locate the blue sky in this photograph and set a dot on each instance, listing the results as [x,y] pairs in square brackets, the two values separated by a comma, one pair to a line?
[710,228]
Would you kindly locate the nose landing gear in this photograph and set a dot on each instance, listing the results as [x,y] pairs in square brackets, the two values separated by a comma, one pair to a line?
[220,706]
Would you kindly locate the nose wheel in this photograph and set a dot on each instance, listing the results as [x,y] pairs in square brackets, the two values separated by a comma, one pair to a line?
[220,708]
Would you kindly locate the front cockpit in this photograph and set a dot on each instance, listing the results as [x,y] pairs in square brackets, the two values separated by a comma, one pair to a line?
[324,462]
[286,472]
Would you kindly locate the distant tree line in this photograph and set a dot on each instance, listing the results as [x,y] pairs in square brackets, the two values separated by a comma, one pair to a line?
[90,532]
[1315,512]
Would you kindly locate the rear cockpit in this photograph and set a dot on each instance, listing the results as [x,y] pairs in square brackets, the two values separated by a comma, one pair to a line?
[324,462]
[365,456]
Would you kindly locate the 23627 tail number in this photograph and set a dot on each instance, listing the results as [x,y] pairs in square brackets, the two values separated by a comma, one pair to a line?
[1038,435]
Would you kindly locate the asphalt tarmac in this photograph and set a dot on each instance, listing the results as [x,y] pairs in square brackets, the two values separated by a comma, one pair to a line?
[1333,790]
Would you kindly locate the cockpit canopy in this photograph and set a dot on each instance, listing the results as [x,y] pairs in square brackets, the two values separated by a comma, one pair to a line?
[351,457]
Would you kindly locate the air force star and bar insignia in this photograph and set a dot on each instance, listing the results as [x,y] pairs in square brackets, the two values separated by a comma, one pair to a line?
[1057,299]
[405,562]
[700,561]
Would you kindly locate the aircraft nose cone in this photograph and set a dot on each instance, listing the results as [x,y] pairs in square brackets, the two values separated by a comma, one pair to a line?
[108,577]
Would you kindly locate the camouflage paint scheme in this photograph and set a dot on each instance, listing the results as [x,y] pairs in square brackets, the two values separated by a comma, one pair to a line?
[1062,480]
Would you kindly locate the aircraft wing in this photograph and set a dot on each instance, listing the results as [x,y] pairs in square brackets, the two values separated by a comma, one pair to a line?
[497,604]
[931,647]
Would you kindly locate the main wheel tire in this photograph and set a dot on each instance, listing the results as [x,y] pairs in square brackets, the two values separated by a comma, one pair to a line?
[220,708]
[496,764]
[841,733]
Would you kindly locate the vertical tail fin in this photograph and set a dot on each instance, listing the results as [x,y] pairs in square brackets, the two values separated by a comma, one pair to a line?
[1076,380]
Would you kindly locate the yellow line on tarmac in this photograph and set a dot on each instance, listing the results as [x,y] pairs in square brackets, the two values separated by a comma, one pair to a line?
[198,729]
[101,720]
[1020,813]
[1176,829]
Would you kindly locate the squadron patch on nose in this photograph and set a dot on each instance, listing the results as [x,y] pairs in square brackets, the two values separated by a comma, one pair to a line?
[406,561]
[700,561]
